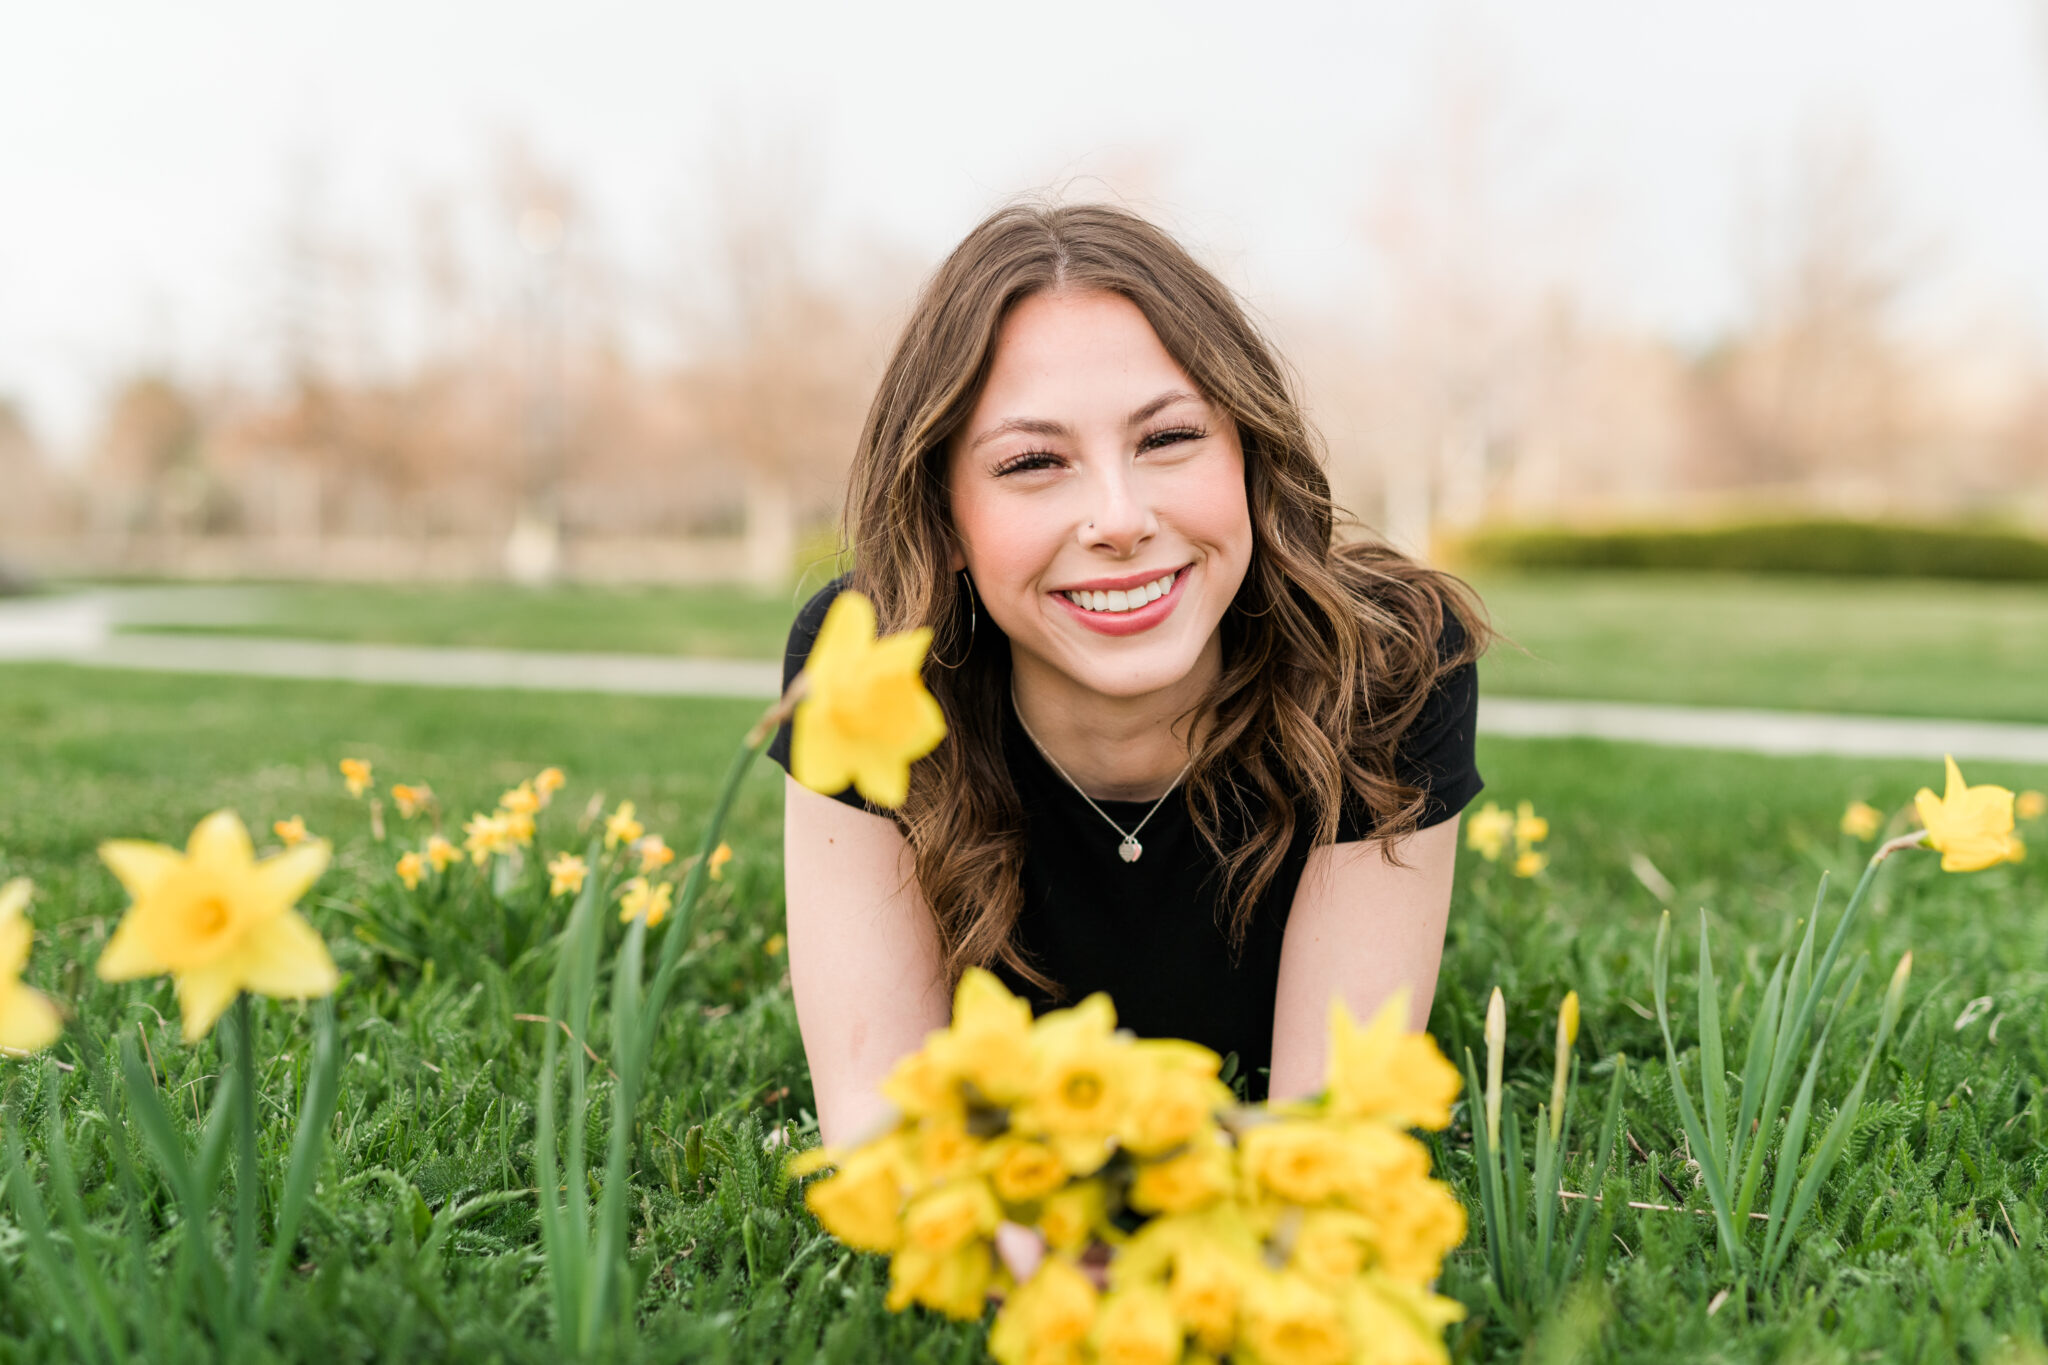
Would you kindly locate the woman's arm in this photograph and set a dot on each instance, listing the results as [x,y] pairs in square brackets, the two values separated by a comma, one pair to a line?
[864,959]
[1361,928]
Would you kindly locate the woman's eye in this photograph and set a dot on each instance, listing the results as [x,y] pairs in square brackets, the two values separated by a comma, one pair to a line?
[1172,436]
[1030,460]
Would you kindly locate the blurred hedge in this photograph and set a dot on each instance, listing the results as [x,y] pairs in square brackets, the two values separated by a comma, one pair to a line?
[1816,547]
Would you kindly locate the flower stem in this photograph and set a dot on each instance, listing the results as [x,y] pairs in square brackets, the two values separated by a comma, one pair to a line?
[247,1180]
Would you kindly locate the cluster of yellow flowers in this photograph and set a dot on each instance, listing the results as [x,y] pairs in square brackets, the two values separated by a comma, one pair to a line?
[1971,827]
[1296,1233]
[1491,830]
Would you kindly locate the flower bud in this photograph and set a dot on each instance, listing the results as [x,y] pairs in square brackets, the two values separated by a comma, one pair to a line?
[1496,1046]
[1567,1034]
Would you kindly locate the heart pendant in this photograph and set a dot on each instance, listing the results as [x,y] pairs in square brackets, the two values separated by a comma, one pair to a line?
[1129,849]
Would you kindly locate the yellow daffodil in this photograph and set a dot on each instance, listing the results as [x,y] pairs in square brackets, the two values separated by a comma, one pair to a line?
[639,900]
[1415,1222]
[1971,827]
[1193,1179]
[1137,1326]
[1384,1072]
[1082,1082]
[521,800]
[565,875]
[1048,1318]
[356,773]
[620,827]
[861,1203]
[1176,1094]
[1530,861]
[485,835]
[1488,832]
[411,800]
[28,1021]
[865,716]
[1288,1321]
[290,832]
[2031,805]
[1862,820]
[411,867]
[1204,1291]
[654,853]
[1300,1162]
[951,1216]
[774,946]
[1404,1322]
[1021,1169]
[954,1282]
[441,853]
[989,1043]
[547,782]
[1530,828]
[1070,1218]
[216,920]
[1567,1034]
[720,856]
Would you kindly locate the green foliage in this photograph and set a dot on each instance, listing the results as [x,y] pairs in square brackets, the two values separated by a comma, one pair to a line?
[420,1236]
[1815,546]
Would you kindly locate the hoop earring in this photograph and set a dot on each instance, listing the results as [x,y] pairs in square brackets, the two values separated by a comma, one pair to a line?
[973,622]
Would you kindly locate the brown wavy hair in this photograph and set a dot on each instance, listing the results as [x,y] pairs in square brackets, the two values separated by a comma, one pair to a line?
[1329,650]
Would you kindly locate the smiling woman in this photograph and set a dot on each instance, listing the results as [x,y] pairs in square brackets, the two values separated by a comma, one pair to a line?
[1197,754]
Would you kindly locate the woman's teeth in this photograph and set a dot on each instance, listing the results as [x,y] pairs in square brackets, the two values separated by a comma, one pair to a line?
[1125,599]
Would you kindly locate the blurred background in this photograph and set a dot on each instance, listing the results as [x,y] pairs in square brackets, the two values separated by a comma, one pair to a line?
[598,294]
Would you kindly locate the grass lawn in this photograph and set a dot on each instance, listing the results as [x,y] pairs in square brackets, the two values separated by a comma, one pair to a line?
[1909,648]
[423,1241]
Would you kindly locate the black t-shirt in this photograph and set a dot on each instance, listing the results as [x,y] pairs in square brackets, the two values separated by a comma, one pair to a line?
[1153,933]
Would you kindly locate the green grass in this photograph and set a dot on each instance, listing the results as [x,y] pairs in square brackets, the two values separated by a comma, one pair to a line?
[1907,648]
[1910,1254]
[1904,648]
[728,622]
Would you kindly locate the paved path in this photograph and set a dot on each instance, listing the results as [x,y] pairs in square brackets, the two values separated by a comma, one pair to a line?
[80,630]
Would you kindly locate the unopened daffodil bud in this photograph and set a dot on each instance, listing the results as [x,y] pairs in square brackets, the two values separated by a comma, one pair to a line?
[1496,1047]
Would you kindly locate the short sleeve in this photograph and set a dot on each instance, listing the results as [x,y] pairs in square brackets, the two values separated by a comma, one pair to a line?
[803,633]
[1438,752]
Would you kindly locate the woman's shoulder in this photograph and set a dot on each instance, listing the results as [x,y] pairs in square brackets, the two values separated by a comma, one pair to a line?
[803,631]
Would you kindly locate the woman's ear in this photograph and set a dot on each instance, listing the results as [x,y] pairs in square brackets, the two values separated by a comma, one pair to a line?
[956,559]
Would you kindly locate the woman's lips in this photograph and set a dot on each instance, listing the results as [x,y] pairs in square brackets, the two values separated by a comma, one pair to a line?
[1127,622]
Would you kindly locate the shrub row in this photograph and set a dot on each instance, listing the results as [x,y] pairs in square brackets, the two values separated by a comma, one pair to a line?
[1887,549]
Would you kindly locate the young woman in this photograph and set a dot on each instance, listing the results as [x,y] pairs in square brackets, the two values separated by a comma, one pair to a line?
[1198,755]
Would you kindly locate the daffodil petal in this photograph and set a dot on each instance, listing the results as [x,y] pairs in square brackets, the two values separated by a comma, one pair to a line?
[128,954]
[818,757]
[204,993]
[14,898]
[15,937]
[221,840]
[1956,786]
[286,876]
[286,958]
[139,864]
[27,1019]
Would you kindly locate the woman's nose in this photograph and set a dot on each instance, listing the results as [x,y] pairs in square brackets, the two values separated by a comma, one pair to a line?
[1122,519]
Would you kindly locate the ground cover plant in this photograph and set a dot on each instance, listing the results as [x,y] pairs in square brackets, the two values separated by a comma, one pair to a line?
[421,1232]
[1882,647]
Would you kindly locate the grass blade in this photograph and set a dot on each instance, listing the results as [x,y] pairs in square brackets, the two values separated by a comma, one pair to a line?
[309,1141]
[1763,1040]
[1713,1068]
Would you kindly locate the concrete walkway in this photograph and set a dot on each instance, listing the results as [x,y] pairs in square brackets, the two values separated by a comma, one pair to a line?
[81,631]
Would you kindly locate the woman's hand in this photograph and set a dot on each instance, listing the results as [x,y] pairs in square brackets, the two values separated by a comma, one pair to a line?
[1023,1250]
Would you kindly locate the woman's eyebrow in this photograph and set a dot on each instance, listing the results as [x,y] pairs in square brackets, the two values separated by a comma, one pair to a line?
[1041,426]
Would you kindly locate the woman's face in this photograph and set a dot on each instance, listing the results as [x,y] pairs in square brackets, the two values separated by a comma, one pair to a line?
[1099,498]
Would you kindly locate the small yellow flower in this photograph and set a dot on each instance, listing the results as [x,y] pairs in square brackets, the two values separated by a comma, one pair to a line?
[774,946]
[441,853]
[954,1282]
[620,827]
[28,1020]
[1862,820]
[862,1202]
[1385,1073]
[1047,1319]
[1022,1170]
[356,772]
[1971,827]
[1489,832]
[1298,1161]
[1530,828]
[2031,805]
[290,832]
[720,856]
[1530,861]
[486,835]
[655,853]
[948,1218]
[521,800]
[411,800]
[1287,1321]
[566,874]
[865,716]
[547,782]
[1136,1326]
[639,900]
[410,868]
[217,920]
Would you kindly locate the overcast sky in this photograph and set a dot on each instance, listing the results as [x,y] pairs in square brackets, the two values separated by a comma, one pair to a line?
[144,147]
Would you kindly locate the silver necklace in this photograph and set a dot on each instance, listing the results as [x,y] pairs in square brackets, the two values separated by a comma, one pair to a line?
[1130,850]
